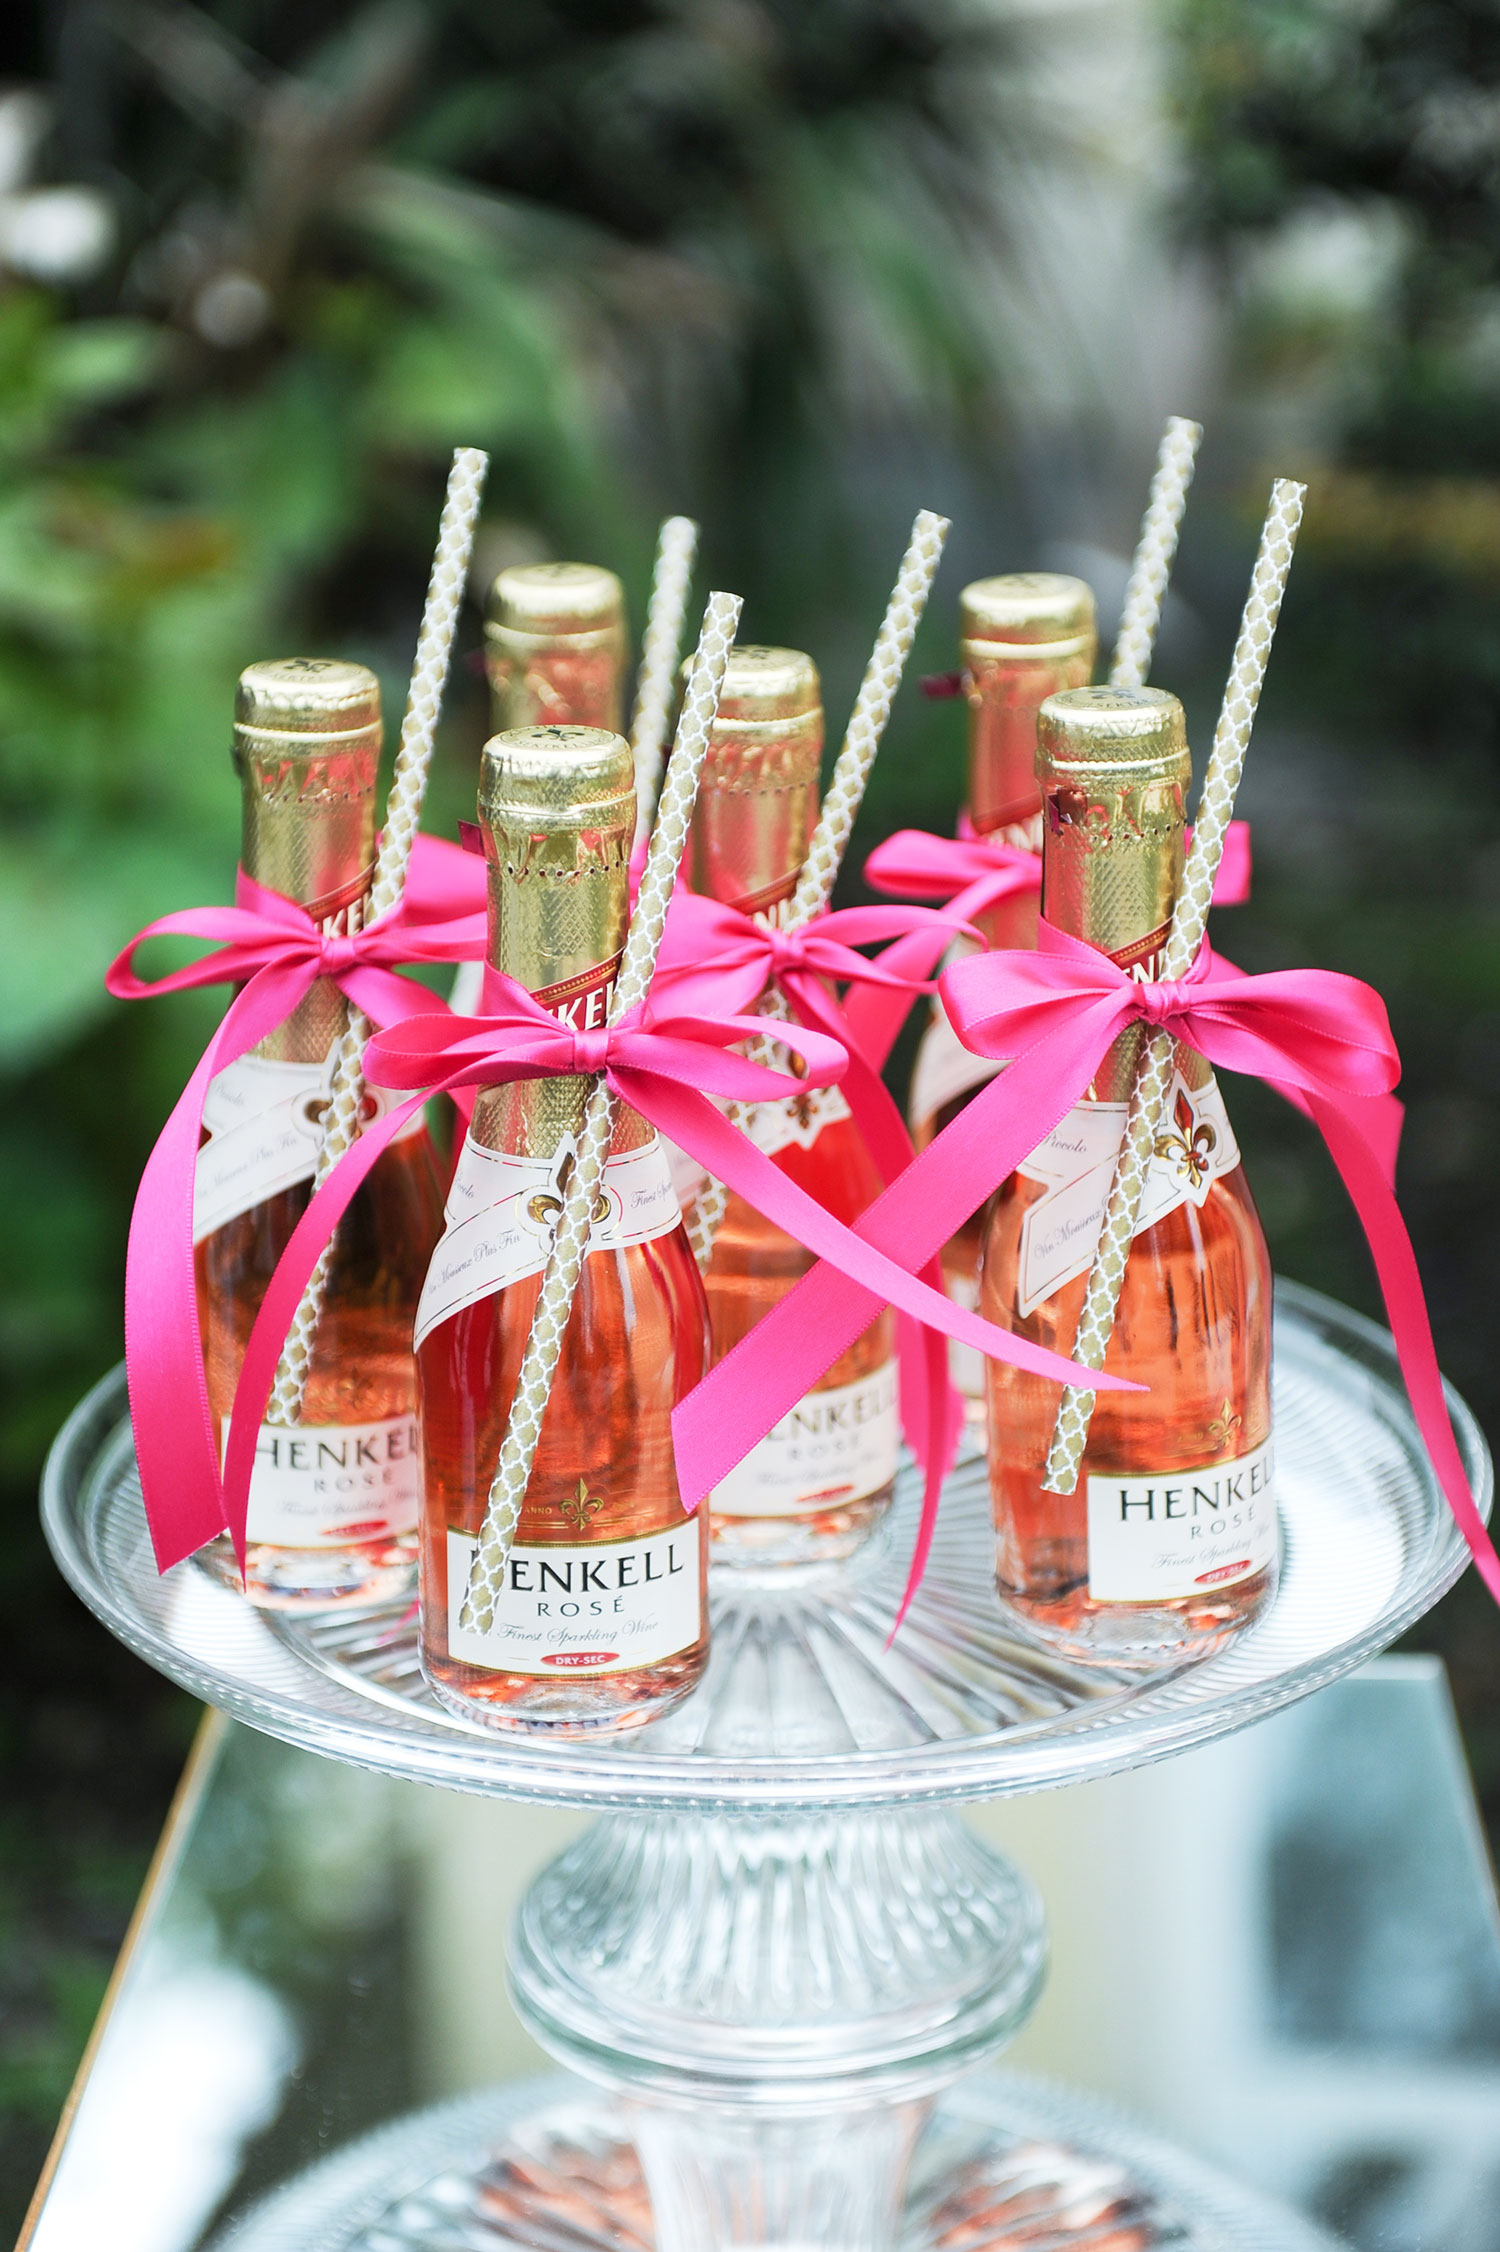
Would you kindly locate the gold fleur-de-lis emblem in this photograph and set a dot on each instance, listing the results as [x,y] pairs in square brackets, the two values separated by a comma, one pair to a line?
[579,1508]
[1192,1147]
[1225,1429]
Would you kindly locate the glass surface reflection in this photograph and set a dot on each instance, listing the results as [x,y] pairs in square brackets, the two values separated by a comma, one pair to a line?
[1300,1920]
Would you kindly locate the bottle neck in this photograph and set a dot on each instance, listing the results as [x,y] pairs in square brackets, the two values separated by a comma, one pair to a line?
[757,808]
[1004,697]
[309,833]
[559,906]
[1112,859]
[556,680]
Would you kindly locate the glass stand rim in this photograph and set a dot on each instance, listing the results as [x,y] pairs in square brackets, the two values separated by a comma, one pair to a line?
[804,1708]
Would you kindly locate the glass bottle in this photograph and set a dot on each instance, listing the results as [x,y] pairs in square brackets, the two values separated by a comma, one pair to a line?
[603,1622]
[333,1498]
[1169,1544]
[816,1486]
[1023,637]
[555,646]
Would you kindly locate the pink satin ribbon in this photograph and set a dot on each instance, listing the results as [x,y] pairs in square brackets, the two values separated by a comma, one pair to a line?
[717,958]
[665,1067]
[1052,1016]
[971,875]
[270,946]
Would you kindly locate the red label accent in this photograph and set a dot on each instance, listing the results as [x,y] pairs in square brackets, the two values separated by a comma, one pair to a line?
[769,896]
[1141,956]
[1225,1572]
[828,1494]
[581,1658]
[582,1002]
[366,1529]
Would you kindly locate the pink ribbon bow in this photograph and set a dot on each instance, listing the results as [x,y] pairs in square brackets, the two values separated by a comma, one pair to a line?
[665,1067]
[720,958]
[1053,1014]
[273,948]
[971,875]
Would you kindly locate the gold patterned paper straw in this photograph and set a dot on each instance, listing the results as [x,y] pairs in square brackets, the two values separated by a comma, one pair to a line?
[840,807]
[1157,545]
[570,1244]
[671,577]
[403,814]
[1153,1078]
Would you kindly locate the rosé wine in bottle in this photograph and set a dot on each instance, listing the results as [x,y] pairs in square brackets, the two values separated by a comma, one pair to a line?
[1169,1545]
[333,1498]
[603,1622]
[816,1486]
[1022,638]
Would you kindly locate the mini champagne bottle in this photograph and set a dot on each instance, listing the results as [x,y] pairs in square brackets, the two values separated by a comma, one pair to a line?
[602,1623]
[1023,637]
[1168,1546]
[555,646]
[816,1486]
[334,1498]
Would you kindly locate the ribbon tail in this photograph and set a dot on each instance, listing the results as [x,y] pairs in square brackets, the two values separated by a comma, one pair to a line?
[176,1444]
[940,1412]
[1359,1162]
[278,1309]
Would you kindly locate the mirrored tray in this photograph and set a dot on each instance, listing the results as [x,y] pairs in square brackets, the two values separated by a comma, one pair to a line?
[803,1705]
[1006,2161]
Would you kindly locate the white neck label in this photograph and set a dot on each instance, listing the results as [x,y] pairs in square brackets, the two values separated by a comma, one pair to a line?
[265,1127]
[1076,1165]
[502,1214]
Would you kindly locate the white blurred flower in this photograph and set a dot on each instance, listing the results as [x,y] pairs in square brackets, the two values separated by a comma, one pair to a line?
[57,235]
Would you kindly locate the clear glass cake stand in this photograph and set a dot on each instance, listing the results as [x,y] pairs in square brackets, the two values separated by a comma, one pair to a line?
[779,1947]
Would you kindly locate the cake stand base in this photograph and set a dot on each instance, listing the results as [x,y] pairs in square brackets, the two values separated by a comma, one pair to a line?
[1005,2162]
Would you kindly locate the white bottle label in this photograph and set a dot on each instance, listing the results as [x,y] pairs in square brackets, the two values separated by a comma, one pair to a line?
[944,1070]
[605,1608]
[265,1125]
[833,1448]
[797,1122]
[1076,1164]
[502,1213]
[325,1485]
[1181,1532]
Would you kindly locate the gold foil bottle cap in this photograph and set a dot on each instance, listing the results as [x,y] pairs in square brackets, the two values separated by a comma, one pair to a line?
[1024,637]
[1112,729]
[556,601]
[298,697]
[758,798]
[1024,609]
[555,777]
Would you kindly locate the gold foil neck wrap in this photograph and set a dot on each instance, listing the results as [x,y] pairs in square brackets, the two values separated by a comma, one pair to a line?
[555,646]
[758,797]
[557,808]
[1023,637]
[1114,768]
[307,747]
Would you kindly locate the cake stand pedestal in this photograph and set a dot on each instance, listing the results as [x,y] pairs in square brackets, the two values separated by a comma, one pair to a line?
[779,1949]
